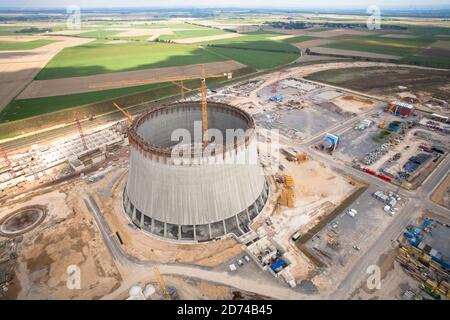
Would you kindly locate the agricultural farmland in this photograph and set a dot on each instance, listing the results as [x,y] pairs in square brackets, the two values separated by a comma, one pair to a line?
[399,47]
[257,59]
[99,57]
[195,33]
[438,49]
[255,41]
[21,109]
[385,80]
[23,45]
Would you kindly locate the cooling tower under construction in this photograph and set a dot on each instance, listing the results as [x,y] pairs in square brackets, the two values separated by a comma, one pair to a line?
[190,197]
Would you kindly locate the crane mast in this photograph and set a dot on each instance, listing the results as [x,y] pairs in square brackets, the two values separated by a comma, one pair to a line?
[83,141]
[204,107]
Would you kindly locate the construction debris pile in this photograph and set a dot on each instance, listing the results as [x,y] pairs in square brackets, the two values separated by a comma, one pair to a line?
[287,197]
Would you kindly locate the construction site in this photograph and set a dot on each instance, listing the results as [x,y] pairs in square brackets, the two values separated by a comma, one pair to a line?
[272,187]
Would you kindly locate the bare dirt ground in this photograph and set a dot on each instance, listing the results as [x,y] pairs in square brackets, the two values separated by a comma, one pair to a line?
[56,87]
[282,37]
[317,190]
[435,52]
[312,43]
[353,53]
[66,237]
[383,79]
[442,195]
[148,247]
[315,182]
[353,104]
[18,68]
[208,38]
[393,281]
[19,38]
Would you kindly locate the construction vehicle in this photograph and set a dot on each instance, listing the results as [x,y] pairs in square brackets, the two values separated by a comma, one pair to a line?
[162,284]
[302,157]
[296,236]
[382,124]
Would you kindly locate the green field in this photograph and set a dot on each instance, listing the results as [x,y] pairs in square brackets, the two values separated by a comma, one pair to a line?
[407,49]
[28,45]
[21,109]
[441,44]
[48,109]
[399,47]
[258,41]
[100,33]
[10,31]
[192,34]
[436,62]
[98,57]
[299,39]
[168,25]
[255,49]
[255,58]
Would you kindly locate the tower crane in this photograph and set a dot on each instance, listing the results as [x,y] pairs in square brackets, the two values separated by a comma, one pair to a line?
[4,154]
[83,141]
[125,112]
[202,76]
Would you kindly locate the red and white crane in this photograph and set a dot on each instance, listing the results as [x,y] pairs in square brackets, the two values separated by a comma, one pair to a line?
[81,133]
[4,154]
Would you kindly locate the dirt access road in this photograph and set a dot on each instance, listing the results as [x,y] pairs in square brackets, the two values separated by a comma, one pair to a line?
[57,87]
[18,68]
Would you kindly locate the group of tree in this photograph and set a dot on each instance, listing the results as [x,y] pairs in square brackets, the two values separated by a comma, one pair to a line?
[34,30]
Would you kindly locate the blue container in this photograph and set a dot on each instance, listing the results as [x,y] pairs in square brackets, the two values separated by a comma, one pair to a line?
[278,264]
[427,223]
[409,234]
[394,127]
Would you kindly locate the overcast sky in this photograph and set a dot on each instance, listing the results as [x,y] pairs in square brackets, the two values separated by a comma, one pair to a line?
[223,3]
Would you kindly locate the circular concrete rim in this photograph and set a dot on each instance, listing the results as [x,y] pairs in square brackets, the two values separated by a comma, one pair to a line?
[42,209]
[144,146]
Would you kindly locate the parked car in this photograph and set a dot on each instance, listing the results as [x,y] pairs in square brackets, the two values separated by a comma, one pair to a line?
[352,212]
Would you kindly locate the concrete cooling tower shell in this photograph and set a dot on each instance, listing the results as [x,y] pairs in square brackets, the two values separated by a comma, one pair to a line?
[193,198]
